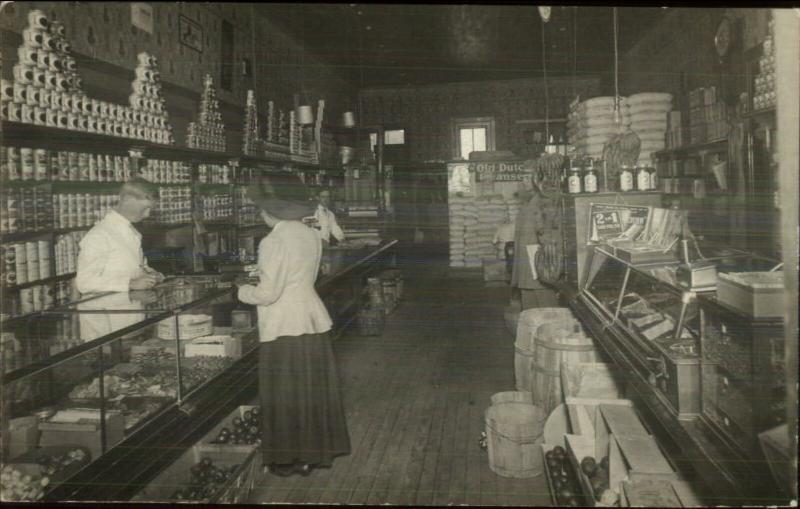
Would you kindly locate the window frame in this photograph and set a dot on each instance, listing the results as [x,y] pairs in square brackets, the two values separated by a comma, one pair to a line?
[458,124]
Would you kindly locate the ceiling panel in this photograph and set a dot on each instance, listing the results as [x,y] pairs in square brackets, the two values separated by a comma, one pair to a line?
[412,44]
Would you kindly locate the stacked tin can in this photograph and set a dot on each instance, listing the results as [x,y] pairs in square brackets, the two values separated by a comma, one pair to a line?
[208,132]
[214,174]
[764,82]
[76,210]
[247,213]
[26,209]
[147,104]
[66,252]
[174,205]
[45,77]
[166,172]
[217,206]
[32,299]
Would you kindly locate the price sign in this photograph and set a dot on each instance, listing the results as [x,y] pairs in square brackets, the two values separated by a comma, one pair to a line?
[609,221]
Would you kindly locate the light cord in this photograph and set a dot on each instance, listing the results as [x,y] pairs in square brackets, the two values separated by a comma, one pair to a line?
[546,94]
[617,116]
[574,49]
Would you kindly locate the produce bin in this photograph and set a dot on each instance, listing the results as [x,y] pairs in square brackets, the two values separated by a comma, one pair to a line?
[177,476]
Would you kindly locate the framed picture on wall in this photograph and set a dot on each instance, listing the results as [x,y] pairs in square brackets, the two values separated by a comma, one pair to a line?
[190,33]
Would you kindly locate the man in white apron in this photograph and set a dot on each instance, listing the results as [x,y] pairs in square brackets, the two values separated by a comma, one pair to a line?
[326,223]
[111,257]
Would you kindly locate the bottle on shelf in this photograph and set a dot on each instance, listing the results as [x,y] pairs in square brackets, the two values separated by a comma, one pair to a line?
[590,179]
[642,179]
[574,179]
[625,179]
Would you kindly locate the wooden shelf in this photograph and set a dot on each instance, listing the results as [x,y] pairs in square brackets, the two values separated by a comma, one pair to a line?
[713,145]
[53,138]
[38,282]
[15,236]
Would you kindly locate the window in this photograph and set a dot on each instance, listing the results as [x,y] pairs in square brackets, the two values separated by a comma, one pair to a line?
[390,137]
[472,135]
[472,139]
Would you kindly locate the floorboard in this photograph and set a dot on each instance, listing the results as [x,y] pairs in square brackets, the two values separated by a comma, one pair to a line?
[415,399]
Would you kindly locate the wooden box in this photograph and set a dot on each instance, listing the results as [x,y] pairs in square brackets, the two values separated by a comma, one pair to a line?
[215,346]
[587,385]
[85,433]
[177,475]
[756,300]
[23,435]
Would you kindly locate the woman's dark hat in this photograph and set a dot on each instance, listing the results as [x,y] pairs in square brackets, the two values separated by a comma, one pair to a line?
[282,195]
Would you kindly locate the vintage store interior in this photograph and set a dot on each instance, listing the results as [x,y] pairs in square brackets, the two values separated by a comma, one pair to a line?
[560,259]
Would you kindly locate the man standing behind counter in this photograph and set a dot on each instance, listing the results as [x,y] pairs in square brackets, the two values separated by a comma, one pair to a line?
[111,257]
[326,220]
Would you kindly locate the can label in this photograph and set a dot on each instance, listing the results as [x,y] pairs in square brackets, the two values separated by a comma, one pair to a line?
[83,166]
[27,163]
[625,181]
[14,164]
[26,300]
[41,163]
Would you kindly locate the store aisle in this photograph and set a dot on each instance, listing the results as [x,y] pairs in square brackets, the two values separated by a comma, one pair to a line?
[415,398]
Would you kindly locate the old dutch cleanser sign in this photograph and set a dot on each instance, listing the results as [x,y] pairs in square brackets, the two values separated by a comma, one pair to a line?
[509,171]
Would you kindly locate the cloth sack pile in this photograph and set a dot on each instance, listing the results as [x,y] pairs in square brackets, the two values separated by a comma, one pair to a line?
[591,124]
[491,213]
[460,208]
[649,112]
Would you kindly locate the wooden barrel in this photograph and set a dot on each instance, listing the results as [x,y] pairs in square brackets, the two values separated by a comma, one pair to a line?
[556,343]
[528,323]
[513,435]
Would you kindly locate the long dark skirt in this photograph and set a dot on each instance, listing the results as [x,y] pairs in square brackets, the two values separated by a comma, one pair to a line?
[301,405]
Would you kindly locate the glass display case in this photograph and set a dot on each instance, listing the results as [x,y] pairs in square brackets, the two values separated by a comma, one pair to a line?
[660,322]
[90,374]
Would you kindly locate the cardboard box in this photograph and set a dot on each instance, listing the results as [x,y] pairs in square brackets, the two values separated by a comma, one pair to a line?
[215,346]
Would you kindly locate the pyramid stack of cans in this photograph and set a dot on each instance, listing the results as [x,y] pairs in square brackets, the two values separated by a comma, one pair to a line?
[208,132]
[147,103]
[46,89]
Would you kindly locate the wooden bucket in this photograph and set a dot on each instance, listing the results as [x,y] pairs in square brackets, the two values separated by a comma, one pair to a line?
[514,434]
[528,324]
[557,343]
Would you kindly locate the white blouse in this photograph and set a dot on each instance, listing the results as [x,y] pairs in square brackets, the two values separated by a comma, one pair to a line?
[288,263]
[110,256]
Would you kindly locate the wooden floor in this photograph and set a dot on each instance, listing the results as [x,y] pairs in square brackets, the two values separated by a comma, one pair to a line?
[415,398]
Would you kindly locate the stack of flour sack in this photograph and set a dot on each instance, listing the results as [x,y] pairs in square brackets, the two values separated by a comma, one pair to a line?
[473,224]
[649,112]
[591,123]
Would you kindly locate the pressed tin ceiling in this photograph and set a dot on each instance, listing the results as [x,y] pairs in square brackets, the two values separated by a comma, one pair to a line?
[415,44]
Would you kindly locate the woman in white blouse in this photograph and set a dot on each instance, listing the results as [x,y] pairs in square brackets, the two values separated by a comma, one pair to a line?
[303,417]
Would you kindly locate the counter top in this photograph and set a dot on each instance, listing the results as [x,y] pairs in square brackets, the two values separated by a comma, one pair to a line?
[94,320]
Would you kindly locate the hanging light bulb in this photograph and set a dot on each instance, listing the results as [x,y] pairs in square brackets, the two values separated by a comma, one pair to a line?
[544,12]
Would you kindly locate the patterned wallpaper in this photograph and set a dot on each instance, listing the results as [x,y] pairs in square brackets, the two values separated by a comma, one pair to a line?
[426,112]
[660,60]
[103,30]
